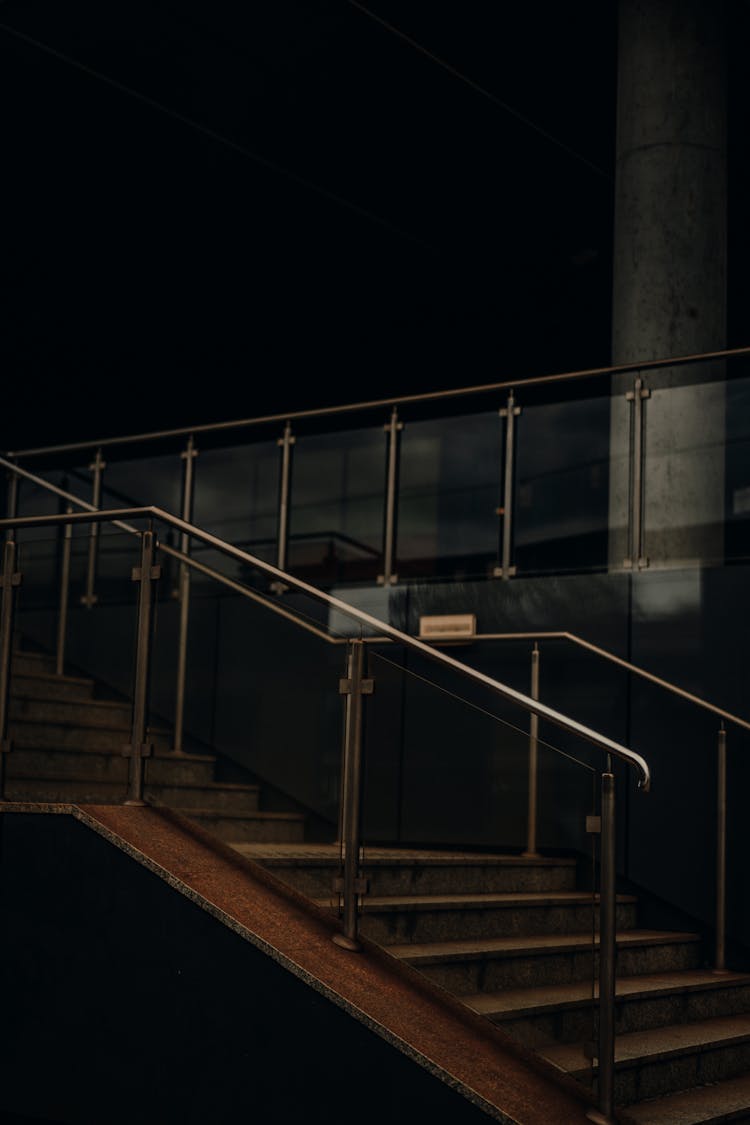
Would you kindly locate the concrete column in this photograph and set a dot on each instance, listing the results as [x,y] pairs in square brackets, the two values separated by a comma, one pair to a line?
[669,291]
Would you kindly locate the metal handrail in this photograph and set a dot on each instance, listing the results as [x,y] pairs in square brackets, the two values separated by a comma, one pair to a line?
[533,706]
[274,607]
[373,404]
[613,659]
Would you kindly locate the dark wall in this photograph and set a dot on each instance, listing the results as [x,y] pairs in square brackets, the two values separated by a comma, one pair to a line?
[125,1003]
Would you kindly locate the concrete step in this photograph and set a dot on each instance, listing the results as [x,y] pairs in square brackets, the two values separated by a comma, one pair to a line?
[716,1104]
[93,765]
[244,827]
[219,796]
[408,871]
[45,735]
[649,1064]
[466,967]
[79,713]
[31,663]
[395,919]
[563,1013]
[220,799]
[44,685]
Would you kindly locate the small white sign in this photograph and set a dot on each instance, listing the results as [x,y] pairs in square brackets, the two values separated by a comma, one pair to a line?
[450,626]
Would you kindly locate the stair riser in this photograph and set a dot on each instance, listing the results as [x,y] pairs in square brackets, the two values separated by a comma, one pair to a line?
[30,664]
[493,973]
[109,792]
[252,831]
[58,792]
[395,927]
[213,797]
[34,688]
[630,1015]
[90,766]
[56,736]
[399,880]
[76,713]
[653,1079]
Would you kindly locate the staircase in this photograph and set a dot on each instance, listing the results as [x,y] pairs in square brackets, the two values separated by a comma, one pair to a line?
[67,747]
[512,938]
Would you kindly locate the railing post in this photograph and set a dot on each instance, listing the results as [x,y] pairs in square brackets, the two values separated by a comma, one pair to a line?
[62,613]
[393,430]
[720,965]
[11,502]
[607,957]
[9,581]
[146,574]
[510,413]
[350,883]
[188,489]
[531,850]
[637,558]
[285,443]
[97,466]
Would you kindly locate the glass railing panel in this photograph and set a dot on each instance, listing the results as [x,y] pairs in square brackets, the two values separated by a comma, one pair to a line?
[737,527]
[236,496]
[449,496]
[41,590]
[561,508]
[684,485]
[337,506]
[447,772]
[152,479]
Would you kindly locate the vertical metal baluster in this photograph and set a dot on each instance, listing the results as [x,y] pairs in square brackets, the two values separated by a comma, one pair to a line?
[147,573]
[607,957]
[637,557]
[9,581]
[62,614]
[531,851]
[721,854]
[97,466]
[188,489]
[393,429]
[510,413]
[350,882]
[285,443]
[11,503]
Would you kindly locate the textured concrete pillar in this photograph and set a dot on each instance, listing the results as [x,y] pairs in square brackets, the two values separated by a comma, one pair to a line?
[669,292]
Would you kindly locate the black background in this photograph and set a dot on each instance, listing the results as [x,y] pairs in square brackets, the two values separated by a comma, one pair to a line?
[154,275]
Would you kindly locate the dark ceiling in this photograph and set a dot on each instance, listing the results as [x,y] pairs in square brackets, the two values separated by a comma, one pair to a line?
[222,209]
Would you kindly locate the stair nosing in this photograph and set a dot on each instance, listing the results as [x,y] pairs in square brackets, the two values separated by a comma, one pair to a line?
[253,814]
[678,987]
[625,1062]
[531,945]
[480,901]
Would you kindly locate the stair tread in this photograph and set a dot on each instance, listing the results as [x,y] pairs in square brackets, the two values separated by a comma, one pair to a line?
[50,677]
[162,755]
[477,948]
[328,854]
[253,814]
[701,1105]
[658,1043]
[209,786]
[522,1001]
[478,901]
[75,722]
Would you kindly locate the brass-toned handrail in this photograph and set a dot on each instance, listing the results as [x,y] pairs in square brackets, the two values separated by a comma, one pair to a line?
[273,606]
[385,403]
[117,516]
